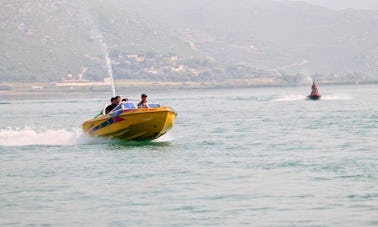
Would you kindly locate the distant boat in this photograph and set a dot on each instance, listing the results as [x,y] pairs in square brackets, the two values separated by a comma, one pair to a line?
[314,96]
[127,122]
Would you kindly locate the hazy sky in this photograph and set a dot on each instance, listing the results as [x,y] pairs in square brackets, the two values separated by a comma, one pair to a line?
[344,4]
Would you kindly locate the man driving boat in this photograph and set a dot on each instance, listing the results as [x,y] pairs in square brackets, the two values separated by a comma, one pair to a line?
[111,106]
[143,102]
[314,89]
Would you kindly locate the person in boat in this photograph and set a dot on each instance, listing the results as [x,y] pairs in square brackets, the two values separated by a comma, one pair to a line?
[118,99]
[111,106]
[314,89]
[124,101]
[143,102]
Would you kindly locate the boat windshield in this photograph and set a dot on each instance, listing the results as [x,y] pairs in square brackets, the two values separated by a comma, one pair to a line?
[129,106]
[153,105]
[124,106]
[132,106]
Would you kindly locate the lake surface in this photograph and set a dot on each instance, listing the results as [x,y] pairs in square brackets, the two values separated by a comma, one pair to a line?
[256,157]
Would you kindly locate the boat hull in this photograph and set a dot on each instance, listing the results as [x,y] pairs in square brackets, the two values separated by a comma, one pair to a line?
[138,124]
[314,97]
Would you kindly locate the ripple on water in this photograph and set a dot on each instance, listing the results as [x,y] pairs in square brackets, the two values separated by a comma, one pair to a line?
[259,157]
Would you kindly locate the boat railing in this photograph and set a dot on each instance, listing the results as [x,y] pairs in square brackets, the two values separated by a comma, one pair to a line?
[131,106]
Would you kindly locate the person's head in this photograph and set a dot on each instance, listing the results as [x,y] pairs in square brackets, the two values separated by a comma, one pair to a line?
[125,100]
[118,99]
[112,100]
[144,97]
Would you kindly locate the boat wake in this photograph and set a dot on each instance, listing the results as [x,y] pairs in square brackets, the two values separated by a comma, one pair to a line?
[165,138]
[28,136]
[337,97]
[289,98]
[13,137]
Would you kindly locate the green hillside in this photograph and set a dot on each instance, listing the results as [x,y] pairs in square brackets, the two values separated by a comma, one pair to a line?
[186,40]
[281,33]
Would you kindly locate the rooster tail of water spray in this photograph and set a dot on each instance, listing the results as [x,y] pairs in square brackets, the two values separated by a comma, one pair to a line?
[108,62]
[29,136]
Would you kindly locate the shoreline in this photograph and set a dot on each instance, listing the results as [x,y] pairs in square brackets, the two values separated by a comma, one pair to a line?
[19,89]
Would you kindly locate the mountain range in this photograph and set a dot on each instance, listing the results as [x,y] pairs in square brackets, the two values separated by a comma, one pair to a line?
[44,40]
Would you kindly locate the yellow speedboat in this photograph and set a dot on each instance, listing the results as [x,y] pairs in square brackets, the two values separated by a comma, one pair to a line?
[126,122]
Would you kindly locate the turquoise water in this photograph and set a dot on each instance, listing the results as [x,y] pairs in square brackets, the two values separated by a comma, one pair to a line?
[256,157]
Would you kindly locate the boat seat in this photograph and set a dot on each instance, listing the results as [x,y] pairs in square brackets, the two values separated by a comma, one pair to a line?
[129,106]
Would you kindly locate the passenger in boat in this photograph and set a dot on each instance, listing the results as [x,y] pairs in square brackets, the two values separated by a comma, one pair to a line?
[314,89]
[111,106]
[143,102]
[118,99]
[124,101]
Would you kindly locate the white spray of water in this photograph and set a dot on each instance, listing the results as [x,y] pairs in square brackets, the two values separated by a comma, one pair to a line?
[293,97]
[309,79]
[288,98]
[108,62]
[28,136]
[337,97]
[98,36]
[165,138]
